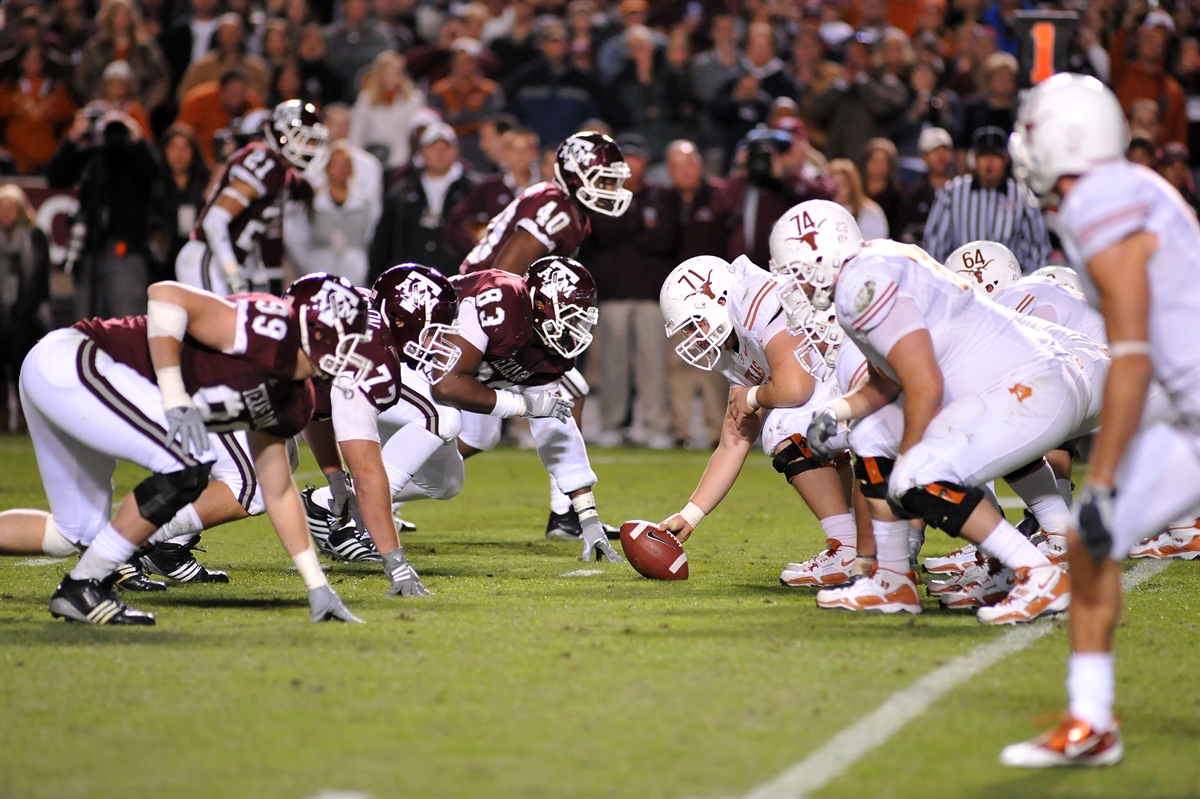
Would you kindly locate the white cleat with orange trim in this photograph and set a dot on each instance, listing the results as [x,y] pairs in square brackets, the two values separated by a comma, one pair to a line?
[881,592]
[956,562]
[1072,743]
[1040,591]
[831,567]
[1176,543]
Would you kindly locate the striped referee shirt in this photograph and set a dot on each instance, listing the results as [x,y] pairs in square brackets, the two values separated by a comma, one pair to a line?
[964,211]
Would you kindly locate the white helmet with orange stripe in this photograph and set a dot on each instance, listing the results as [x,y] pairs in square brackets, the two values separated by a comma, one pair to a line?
[695,302]
[988,266]
[809,245]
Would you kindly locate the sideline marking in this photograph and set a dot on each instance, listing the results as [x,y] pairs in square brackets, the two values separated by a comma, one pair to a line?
[873,730]
[583,573]
[42,562]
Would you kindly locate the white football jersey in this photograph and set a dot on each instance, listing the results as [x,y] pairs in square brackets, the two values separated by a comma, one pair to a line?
[850,368]
[1047,299]
[757,318]
[1111,204]
[890,290]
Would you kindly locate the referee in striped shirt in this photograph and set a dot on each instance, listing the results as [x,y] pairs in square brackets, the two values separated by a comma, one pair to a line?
[987,205]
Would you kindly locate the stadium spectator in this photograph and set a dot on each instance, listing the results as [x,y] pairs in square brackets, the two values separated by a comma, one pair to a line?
[996,108]
[72,25]
[973,43]
[368,171]
[288,84]
[28,29]
[614,52]
[517,46]
[24,287]
[277,46]
[120,36]
[937,156]
[179,196]
[1142,151]
[229,52]
[1144,77]
[1145,120]
[804,169]
[465,97]
[35,108]
[397,20]
[848,193]
[356,42]
[332,232]
[859,106]
[413,223]
[549,94]
[929,107]
[988,205]
[998,16]
[700,233]
[630,256]
[1174,165]
[492,142]
[320,79]
[466,223]
[382,117]
[715,67]
[895,55]
[1189,80]
[117,92]
[744,101]
[211,106]
[649,94]
[188,40]
[880,182]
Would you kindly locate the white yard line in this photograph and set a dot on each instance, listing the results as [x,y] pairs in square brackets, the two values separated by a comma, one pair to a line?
[873,730]
[583,573]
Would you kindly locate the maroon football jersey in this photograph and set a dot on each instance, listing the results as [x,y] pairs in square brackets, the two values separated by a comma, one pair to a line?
[514,355]
[382,388]
[543,210]
[266,172]
[251,387]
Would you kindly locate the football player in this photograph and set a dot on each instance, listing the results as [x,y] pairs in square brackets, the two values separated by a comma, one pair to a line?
[149,390]
[396,441]
[965,422]
[550,218]
[519,340]
[249,195]
[732,321]
[1134,242]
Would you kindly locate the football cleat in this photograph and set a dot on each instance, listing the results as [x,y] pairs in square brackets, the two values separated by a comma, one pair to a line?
[956,582]
[401,525]
[91,602]
[130,577]
[1054,549]
[177,562]
[1040,591]
[319,520]
[566,527]
[1071,743]
[954,563]
[882,592]
[1176,543]
[348,545]
[988,587]
[834,566]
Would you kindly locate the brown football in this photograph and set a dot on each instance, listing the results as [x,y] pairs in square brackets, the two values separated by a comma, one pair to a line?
[653,553]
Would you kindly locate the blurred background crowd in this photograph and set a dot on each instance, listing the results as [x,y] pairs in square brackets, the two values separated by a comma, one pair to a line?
[440,112]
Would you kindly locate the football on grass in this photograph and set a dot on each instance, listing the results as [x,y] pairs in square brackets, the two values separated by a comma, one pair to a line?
[653,552]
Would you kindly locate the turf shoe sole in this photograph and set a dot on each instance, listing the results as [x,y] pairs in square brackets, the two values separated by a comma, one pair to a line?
[881,592]
[90,602]
[1040,591]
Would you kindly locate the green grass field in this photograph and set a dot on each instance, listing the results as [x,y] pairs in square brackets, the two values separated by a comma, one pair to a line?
[517,680]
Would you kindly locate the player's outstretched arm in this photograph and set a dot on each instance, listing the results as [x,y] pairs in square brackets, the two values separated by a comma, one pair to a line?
[234,199]
[790,385]
[373,490]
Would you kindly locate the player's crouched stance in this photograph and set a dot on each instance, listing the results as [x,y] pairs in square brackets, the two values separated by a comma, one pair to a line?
[147,390]
[967,419]
[1135,243]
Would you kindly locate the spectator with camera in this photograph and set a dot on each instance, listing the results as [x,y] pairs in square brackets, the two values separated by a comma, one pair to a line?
[929,107]
[745,100]
[24,286]
[106,157]
[120,37]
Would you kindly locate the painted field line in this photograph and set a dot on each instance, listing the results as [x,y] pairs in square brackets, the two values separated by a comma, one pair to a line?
[41,561]
[873,730]
[583,573]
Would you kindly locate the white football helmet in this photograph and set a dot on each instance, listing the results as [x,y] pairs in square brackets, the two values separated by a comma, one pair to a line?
[987,265]
[1064,276]
[809,245]
[695,301]
[1067,125]
[818,328]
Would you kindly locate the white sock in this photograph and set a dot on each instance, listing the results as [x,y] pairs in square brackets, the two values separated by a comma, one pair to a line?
[1011,548]
[1064,489]
[310,569]
[1090,688]
[108,551]
[891,545]
[841,528]
[406,452]
[559,502]
[184,523]
[1039,491]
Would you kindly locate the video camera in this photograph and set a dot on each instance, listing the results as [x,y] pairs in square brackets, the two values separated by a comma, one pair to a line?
[761,143]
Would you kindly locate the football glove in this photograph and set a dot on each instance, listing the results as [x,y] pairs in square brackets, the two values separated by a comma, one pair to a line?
[405,580]
[822,434]
[325,605]
[1093,520]
[237,284]
[344,504]
[186,424]
[546,404]
[595,543]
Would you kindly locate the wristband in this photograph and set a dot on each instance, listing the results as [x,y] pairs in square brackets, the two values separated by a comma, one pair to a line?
[170,383]
[692,514]
[840,408]
[508,405]
[752,398]
[1120,349]
[310,568]
[166,320]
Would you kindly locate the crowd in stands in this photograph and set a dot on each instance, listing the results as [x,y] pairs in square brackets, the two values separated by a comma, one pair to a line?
[440,112]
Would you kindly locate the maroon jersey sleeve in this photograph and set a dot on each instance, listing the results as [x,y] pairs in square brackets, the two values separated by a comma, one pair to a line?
[495,312]
[266,173]
[544,211]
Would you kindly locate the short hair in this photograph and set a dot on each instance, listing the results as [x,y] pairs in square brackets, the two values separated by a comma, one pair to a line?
[519,131]
[685,146]
[999,60]
[233,74]
[1138,143]
[503,123]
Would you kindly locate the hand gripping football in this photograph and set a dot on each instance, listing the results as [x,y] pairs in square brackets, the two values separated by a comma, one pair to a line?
[653,552]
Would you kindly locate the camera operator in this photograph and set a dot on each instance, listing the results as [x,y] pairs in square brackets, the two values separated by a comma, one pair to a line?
[106,156]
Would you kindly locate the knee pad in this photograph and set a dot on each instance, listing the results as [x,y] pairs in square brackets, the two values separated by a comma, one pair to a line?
[160,496]
[872,475]
[795,458]
[54,543]
[945,506]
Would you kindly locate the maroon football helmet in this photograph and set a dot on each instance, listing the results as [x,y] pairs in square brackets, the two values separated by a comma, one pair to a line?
[589,166]
[333,321]
[296,132]
[564,304]
[419,306]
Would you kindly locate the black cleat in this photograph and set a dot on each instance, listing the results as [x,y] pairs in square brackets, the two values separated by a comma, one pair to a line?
[612,533]
[566,527]
[130,577]
[348,545]
[404,527]
[176,562]
[1028,526]
[91,602]
[320,521]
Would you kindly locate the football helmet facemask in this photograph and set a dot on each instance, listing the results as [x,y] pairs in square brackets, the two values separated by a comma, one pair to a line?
[563,294]
[296,132]
[333,322]
[419,306]
[589,166]
[695,302]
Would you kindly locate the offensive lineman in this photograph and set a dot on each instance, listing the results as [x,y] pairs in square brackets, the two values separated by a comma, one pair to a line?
[1135,243]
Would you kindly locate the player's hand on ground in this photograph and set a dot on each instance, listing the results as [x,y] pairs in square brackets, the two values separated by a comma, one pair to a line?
[186,425]
[596,544]
[822,434]
[678,526]
[544,404]
[325,605]
[1093,520]
[405,580]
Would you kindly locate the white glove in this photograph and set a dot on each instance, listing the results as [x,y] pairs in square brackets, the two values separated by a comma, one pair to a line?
[186,424]
[325,605]
[547,403]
